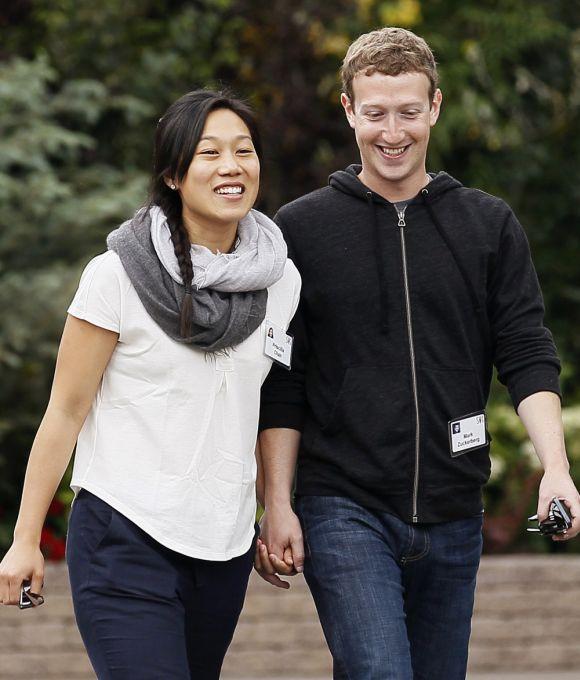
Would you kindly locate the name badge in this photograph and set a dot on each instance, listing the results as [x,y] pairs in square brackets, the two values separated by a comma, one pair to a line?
[278,345]
[468,433]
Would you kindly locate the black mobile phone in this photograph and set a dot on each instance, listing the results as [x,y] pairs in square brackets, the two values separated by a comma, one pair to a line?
[558,507]
[558,520]
[28,599]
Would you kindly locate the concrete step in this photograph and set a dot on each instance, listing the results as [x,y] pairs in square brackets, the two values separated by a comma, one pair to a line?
[471,676]
[527,618]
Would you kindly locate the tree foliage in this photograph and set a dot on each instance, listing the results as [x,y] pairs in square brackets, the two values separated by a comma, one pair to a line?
[57,201]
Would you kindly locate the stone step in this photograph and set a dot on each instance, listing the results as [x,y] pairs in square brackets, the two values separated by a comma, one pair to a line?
[527,615]
[33,665]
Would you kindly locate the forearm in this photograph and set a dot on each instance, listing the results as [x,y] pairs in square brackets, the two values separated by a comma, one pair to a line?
[279,451]
[50,455]
[541,415]
[259,475]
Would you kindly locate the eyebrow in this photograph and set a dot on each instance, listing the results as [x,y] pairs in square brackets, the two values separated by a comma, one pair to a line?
[404,105]
[217,139]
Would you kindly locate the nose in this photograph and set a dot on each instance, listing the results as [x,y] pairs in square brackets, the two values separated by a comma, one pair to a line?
[393,132]
[229,164]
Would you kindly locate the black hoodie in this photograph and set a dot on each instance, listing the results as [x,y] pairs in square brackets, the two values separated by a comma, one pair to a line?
[400,322]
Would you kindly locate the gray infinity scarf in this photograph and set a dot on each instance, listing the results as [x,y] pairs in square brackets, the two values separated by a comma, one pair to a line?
[221,318]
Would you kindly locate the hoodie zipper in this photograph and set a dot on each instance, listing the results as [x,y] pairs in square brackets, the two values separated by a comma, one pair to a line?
[402,224]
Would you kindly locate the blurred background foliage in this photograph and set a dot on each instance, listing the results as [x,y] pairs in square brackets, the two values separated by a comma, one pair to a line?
[82,85]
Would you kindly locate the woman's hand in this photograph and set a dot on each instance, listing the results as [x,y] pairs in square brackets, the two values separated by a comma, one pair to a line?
[280,548]
[23,561]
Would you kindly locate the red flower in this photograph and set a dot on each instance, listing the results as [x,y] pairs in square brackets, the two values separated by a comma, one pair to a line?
[56,508]
[53,547]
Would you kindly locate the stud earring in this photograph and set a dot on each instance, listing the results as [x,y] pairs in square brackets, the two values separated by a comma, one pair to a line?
[172,186]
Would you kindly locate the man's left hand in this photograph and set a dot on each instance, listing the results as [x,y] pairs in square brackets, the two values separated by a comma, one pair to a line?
[560,485]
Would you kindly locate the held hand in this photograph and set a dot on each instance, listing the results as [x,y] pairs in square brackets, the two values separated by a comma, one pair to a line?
[282,534]
[269,568]
[21,562]
[280,547]
[560,485]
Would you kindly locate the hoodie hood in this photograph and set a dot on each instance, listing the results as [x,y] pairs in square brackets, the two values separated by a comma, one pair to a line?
[348,182]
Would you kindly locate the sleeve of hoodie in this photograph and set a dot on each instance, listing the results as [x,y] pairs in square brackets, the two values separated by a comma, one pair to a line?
[282,402]
[524,350]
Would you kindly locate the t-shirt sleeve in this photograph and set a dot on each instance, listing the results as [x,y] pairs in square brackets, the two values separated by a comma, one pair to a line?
[98,299]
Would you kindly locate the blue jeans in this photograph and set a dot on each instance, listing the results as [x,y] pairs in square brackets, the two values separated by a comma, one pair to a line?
[146,612]
[395,600]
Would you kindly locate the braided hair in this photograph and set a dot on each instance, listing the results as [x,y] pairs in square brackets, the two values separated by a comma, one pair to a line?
[178,134]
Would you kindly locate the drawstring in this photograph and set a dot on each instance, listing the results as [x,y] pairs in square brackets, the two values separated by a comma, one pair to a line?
[379,263]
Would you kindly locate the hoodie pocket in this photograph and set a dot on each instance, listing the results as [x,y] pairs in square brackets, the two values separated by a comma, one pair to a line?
[448,394]
[372,418]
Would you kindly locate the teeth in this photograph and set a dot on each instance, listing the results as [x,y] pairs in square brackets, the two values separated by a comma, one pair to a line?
[229,190]
[393,152]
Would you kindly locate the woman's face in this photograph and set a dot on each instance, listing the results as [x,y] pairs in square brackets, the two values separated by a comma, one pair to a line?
[223,177]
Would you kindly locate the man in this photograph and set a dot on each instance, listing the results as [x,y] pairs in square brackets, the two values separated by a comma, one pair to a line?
[413,288]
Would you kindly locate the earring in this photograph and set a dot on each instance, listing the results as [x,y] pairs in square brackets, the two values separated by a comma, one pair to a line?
[172,186]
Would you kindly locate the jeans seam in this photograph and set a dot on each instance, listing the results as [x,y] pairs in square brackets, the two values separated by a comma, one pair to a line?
[405,558]
[414,558]
[104,656]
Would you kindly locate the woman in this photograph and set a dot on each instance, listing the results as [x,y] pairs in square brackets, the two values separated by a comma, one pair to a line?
[158,375]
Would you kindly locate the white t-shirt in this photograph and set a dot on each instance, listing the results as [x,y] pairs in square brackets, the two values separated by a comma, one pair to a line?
[169,440]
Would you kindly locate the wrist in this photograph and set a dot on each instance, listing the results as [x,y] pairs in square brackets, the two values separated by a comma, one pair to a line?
[27,537]
[278,502]
[557,467]
[26,541]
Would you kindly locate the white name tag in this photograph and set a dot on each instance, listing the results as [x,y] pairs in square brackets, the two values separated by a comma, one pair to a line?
[467,433]
[278,345]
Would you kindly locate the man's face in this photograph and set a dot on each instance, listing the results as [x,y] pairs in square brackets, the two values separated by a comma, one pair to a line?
[392,117]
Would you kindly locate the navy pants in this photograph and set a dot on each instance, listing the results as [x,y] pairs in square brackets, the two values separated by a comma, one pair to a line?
[395,600]
[146,612]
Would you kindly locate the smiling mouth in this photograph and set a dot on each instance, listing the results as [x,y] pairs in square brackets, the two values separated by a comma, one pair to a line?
[233,190]
[390,152]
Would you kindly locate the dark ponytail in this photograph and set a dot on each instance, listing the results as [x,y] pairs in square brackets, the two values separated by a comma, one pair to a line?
[178,134]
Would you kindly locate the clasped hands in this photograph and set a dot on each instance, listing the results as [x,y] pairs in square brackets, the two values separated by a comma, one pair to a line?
[280,547]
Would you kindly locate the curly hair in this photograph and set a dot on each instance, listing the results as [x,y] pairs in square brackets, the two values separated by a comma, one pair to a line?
[391,51]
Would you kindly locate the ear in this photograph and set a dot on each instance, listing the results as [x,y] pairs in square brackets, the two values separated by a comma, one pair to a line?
[348,108]
[435,107]
[171,183]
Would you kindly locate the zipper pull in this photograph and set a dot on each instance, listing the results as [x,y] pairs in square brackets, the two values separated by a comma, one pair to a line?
[401,218]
